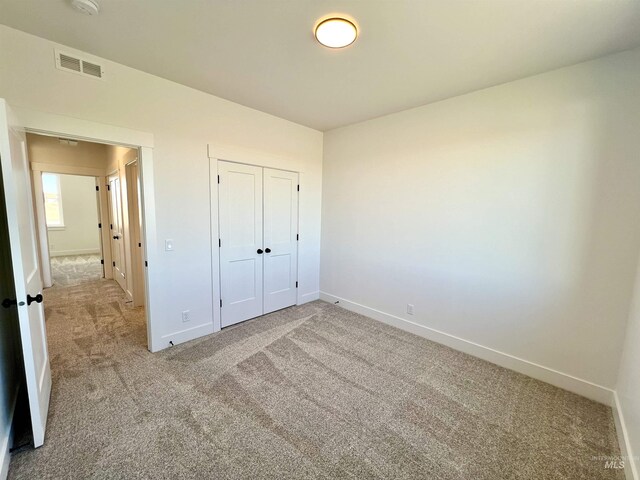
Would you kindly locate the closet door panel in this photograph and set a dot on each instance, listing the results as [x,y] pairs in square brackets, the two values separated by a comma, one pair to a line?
[240,221]
[280,239]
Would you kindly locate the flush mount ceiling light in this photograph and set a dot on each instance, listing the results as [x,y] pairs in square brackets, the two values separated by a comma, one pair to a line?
[336,32]
[87,7]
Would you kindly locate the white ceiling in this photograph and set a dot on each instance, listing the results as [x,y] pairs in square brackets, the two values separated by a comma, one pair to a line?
[261,53]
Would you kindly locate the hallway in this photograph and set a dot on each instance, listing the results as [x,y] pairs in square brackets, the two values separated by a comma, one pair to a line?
[75,269]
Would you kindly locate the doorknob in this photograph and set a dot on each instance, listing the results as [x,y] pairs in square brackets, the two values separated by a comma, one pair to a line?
[267,250]
[7,302]
[37,299]
[259,251]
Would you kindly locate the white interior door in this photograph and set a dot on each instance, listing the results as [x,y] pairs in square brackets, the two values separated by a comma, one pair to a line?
[117,235]
[241,248]
[16,184]
[101,221]
[280,239]
[135,233]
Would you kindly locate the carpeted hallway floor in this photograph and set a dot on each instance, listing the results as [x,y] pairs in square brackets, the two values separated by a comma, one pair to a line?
[308,392]
[75,269]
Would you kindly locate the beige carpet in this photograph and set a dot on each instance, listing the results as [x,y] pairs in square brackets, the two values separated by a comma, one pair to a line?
[309,392]
[75,269]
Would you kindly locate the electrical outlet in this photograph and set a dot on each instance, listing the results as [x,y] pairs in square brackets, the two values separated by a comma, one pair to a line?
[186,315]
[409,309]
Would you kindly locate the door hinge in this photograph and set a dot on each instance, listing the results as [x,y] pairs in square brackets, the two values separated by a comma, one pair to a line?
[109,187]
[111,226]
[219,242]
[296,284]
[139,245]
[114,263]
[146,264]
[97,188]
[102,261]
[298,187]
[297,237]
[99,225]
[218,178]
[220,303]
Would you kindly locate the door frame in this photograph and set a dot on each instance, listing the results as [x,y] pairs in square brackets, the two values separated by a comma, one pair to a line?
[62,126]
[256,158]
[37,169]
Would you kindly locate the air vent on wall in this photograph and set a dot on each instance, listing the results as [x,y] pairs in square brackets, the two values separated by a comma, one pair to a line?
[71,63]
[92,69]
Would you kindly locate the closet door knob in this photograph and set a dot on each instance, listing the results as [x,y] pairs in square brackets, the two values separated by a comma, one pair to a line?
[259,251]
[267,250]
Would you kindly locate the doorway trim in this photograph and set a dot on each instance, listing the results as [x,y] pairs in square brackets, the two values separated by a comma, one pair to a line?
[37,169]
[247,156]
[50,124]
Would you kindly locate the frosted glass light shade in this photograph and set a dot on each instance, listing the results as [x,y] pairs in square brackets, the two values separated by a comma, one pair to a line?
[336,32]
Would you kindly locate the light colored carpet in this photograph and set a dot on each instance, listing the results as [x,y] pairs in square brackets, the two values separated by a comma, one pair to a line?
[308,392]
[75,269]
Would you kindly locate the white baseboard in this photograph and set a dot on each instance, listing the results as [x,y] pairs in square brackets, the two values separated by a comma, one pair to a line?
[86,251]
[7,440]
[562,380]
[309,297]
[182,336]
[626,452]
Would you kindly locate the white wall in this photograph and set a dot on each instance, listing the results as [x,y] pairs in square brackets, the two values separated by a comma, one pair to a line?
[508,216]
[183,121]
[80,234]
[628,387]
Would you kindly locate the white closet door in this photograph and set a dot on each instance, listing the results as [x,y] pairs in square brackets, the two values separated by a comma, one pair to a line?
[280,239]
[241,254]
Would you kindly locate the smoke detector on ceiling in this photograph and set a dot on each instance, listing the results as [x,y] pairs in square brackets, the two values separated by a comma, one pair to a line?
[88,7]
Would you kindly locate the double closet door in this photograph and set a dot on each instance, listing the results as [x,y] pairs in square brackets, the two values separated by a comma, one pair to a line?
[258,221]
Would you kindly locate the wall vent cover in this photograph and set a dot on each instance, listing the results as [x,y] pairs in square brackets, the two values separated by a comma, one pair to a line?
[75,64]
[92,69]
[69,63]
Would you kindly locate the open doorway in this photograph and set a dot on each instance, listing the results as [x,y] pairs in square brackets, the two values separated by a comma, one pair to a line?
[80,322]
[88,212]
[72,216]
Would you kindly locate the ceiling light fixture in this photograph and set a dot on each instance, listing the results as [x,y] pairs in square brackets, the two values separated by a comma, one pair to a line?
[87,7]
[336,32]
